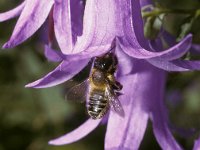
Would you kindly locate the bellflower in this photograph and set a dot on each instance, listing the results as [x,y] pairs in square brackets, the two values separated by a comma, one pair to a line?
[142,69]
[33,14]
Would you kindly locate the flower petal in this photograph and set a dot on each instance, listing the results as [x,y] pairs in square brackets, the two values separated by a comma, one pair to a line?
[101,24]
[91,52]
[53,55]
[77,134]
[77,12]
[62,25]
[158,111]
[134,43]
[156,44]
[135,25]
[32,17]
[170,54]
[176,65]
[65,71]
[196,48]
[125,62]
[145,2]
[68,21]
[169,39]
[197,144]
[127,132]
[12,13]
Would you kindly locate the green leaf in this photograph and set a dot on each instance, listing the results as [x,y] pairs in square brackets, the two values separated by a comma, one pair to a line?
[153,26]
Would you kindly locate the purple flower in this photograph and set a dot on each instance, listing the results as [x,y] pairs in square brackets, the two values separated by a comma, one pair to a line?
[196,144]
[109,23]
[33,14]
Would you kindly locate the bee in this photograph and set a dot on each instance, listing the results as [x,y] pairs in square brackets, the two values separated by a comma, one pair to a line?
[101,89]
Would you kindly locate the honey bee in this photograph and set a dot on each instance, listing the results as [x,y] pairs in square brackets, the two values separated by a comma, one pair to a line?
[101,89]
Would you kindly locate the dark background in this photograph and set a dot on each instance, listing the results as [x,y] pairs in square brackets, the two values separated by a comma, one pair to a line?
[31,117]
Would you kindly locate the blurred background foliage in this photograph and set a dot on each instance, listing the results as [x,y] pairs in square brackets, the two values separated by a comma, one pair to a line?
[31,117]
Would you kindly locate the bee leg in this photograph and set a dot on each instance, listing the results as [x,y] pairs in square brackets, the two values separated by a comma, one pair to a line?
[117,86]
[119,93]
[114,83]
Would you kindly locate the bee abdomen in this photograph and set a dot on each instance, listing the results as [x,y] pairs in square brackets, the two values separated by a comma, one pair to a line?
[97,105]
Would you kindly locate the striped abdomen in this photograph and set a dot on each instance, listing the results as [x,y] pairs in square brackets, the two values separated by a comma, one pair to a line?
[98,104]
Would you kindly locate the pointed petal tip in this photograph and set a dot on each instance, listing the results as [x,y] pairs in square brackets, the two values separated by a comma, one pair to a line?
[5,46]
[12,13]
[77,134]
[189,35]
[55,142]
[52,142]
[31,19]
[8,45]
[28,86]
[33,84]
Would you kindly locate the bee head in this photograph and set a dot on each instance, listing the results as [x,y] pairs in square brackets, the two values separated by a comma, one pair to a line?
[106,63]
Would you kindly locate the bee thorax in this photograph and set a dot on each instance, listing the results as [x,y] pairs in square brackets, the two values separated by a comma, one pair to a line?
[98,77]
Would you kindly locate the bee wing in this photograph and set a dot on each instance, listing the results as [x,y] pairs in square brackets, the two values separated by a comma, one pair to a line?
[78,92]
[114,101]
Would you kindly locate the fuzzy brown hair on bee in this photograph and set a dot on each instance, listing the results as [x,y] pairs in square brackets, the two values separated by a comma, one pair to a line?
[102,87]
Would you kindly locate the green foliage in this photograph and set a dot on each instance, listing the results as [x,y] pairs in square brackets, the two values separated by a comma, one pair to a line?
[178,18]
[153,26]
